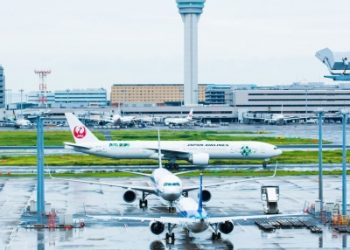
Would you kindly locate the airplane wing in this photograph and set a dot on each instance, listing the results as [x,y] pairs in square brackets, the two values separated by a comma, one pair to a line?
[165,220]
[213,220]
[191,188]
[136,188]
[137,173]
[168,153]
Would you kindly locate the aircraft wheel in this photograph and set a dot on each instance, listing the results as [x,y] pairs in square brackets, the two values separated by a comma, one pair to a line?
[143,203]
[170,238]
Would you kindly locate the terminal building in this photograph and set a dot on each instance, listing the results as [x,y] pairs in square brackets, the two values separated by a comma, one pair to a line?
[151,94]
[2,88]
[293,99]
[72,98]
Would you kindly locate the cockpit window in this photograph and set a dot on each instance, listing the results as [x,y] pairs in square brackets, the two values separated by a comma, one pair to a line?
[168,184]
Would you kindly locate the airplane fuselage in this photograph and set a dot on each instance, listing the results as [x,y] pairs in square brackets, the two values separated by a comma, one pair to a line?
[146,149]
[188,208]
[167,185]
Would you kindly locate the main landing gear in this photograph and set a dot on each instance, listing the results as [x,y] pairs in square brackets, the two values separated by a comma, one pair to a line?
[170,236]
[216,235]
[171,165]
[143,203]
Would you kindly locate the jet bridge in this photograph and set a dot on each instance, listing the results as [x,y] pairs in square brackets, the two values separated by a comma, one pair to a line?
[338,64]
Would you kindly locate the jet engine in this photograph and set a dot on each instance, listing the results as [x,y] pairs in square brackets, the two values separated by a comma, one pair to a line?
[199,158]
[156,227]
[129,196]
[226,227]
[206,195]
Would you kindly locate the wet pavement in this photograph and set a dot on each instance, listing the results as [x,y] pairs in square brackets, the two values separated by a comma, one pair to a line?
[99,204]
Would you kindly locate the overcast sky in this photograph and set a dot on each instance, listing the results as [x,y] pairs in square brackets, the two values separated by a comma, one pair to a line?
[89,43]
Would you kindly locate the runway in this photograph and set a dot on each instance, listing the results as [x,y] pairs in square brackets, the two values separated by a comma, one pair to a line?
[103,203]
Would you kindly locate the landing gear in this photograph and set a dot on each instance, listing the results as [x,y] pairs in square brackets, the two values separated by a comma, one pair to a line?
[185,194]
[143,202]
[264,164]
[216,236]
[172,210]
[170,238]
[171,165]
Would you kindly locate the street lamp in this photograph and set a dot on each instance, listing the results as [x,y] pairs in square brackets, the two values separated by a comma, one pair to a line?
[344,167]
[320,114]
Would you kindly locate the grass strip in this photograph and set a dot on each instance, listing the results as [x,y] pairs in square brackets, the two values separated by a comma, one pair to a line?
[56,138]
[288,157]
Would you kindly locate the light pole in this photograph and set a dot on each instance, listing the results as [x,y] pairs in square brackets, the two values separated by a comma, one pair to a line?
[344,187]
[7,98]
[320,167]
[21,90]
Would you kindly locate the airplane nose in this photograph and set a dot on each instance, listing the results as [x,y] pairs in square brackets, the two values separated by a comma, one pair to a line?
[171,196]
[278,151]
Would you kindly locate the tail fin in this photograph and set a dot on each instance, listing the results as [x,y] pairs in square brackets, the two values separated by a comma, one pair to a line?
[189,116]
[200,194]
[80,132]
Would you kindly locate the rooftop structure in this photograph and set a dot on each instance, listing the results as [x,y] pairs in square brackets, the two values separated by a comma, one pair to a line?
[190,11]
[338,64]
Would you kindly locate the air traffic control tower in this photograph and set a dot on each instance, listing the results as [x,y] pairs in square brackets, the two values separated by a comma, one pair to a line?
[190,11]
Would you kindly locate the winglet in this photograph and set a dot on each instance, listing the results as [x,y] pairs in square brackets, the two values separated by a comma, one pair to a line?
[200,195]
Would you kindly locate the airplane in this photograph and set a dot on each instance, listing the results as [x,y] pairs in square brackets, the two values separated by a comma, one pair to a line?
[193,218]
[166,185]
[195,152]
[281,119]
[179,121]
[18,122]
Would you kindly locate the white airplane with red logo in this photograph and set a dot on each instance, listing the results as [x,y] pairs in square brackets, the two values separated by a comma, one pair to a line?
[180,120]
[195,152]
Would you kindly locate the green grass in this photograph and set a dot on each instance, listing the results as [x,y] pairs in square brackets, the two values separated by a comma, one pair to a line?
[288,157]
[28,138]
[56,138]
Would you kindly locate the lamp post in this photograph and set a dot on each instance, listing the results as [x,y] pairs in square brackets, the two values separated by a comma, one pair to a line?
[344,186]
[21,90]
[320,167]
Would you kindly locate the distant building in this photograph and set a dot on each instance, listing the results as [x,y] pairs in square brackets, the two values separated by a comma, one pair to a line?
[156,94]
[217,94]
[296,98]
[73,98]
[2,88]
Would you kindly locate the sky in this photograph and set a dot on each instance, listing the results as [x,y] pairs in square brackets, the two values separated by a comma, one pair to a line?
[93,44]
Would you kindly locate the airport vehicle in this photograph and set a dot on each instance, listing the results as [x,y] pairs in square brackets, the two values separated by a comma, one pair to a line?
[193,218]
[179,121]
[195,152]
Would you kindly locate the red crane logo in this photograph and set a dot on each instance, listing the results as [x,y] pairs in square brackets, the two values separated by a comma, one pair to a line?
[79,132]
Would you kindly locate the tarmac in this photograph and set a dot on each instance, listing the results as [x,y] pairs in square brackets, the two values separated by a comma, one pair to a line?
[97,205]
